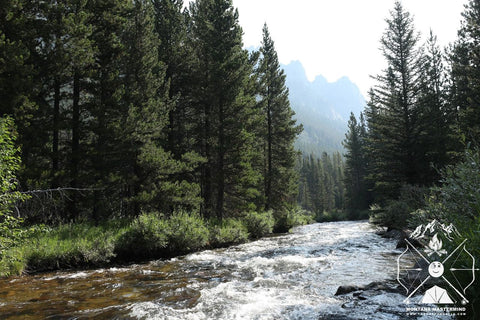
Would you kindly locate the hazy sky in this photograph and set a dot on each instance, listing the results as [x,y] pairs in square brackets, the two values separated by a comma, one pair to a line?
[338,38]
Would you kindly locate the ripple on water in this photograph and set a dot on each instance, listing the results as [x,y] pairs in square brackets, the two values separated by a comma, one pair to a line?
[291,276]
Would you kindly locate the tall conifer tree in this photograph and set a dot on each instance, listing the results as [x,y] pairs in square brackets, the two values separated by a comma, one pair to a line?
[392,111]
[355,167]
[465,60]
[280,181]
[228,179]
[435,118]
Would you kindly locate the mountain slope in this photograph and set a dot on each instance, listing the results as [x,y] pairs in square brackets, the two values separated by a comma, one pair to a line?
[322,107]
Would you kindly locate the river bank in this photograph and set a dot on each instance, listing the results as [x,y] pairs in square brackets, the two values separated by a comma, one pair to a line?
[288,276]
[152,236]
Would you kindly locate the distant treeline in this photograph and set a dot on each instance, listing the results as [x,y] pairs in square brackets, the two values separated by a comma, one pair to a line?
[140,106]
[322,187]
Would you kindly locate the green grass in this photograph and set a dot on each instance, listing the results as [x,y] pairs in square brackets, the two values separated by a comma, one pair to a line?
[149,236]
[66,246]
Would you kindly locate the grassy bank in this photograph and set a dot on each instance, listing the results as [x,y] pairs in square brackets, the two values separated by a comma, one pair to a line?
[149,236]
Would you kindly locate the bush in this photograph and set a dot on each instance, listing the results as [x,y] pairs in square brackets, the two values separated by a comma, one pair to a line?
[146,237]
[227,232]
[331,216]
[12,262]
[10,231]
[259,224]
[459,194]
[291,217]
[396,213]
[188,232]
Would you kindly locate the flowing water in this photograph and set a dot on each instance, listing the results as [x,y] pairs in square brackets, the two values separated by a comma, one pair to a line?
[290,276]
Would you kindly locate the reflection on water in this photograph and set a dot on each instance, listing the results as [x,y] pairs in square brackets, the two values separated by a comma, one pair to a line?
[291,276]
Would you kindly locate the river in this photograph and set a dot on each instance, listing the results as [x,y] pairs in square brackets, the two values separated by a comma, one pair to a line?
[288,276]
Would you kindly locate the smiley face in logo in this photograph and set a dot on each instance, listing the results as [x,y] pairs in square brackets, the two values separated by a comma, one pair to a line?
[435,269]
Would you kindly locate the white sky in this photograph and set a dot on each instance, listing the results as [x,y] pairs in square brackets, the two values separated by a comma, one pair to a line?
[338,38]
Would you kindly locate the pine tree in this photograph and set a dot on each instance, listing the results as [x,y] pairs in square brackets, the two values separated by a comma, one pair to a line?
[223,72]
[17,75]
[104,153]
[355,167]
[434,116]
[465,74]
[392,111]
[321,185]
[176,53]
[146,182]
[16,71]
[280,128]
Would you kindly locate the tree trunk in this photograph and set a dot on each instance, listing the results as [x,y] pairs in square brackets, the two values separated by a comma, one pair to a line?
[75,157]
[56,125]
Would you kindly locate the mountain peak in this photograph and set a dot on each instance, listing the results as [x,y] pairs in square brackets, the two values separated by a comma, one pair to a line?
[319,79]
[322,107]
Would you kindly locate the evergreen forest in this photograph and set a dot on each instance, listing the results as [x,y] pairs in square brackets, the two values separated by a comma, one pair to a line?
[147,124]
[144,120]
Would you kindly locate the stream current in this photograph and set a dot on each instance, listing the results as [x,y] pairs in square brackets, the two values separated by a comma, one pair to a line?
[288,276]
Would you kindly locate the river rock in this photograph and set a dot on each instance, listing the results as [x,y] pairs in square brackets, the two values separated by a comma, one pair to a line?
[371,287]
[395,234]
[347,289]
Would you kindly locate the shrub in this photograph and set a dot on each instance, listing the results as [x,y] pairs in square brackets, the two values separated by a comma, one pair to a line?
[328,216]
[12,262]
[227,232]
[459,194]
[259,224]
[188,232]
[291,217]
[146,237]
[10,232]
[395,213]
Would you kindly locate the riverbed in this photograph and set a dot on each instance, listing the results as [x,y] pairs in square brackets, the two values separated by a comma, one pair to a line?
[288,276]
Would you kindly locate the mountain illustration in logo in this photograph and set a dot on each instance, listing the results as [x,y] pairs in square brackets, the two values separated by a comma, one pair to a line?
[434,228]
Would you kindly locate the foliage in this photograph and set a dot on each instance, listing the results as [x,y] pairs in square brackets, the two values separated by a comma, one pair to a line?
[143,106]
[465,74]
[409,123]
[152,235]
[321,185]
[10,232]
[67,246]
[227,232]
[398,112]
[224,131]
[146,237]
[395,213]
[280,128]
[329,216]
[356,187]
[188,232]
[259,224]
[289,217]
[458,198]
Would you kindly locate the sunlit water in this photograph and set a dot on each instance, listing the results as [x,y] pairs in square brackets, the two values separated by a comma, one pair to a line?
[291,276]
